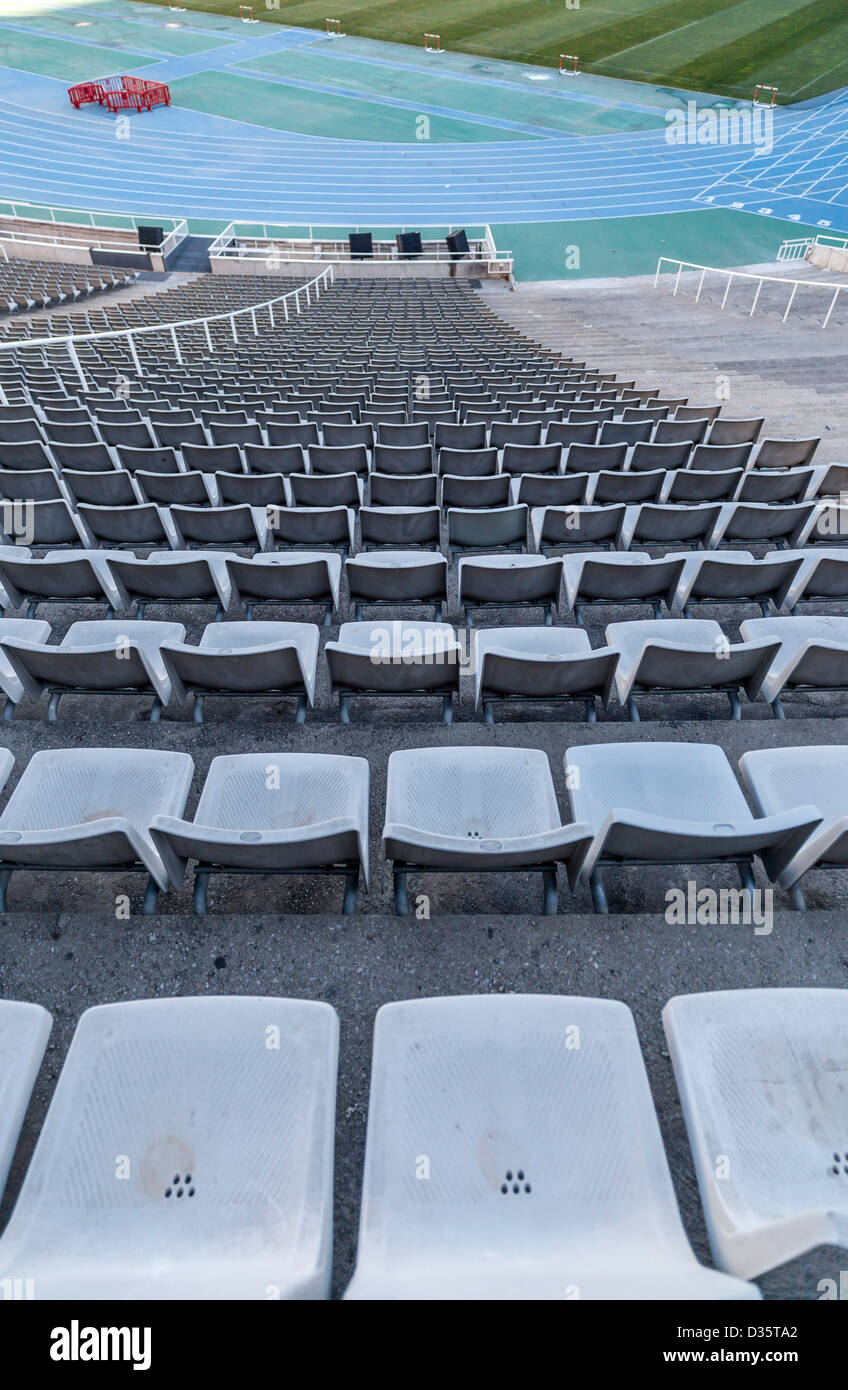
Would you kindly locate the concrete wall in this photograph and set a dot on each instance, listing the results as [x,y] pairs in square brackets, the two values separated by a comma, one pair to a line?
[829,257]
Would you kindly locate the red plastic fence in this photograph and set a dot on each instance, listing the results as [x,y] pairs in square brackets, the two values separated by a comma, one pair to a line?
[121,93]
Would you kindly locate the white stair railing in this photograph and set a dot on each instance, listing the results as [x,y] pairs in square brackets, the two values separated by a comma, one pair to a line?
[676,268]
[312,290]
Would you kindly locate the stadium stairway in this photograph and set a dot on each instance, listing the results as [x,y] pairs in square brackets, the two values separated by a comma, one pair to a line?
[796,374]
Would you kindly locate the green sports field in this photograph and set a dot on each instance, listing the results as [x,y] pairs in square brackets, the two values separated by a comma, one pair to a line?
[725,46]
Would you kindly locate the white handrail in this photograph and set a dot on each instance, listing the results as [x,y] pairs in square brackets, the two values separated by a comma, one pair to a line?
[761,280]
[796,249]
[71,340]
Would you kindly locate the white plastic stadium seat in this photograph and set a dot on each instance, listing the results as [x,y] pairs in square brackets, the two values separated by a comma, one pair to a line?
[91,808]
[513,1152]
[763,1078]
[540,663]
[187,1154]
[672,803]
[274,813]
[24,1030]
[779,779]
[240,659]
[463,810]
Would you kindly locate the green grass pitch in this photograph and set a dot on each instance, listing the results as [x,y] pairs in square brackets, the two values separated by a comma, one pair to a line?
[724,46]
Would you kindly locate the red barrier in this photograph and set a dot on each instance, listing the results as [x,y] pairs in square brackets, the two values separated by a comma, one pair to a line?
[121,93]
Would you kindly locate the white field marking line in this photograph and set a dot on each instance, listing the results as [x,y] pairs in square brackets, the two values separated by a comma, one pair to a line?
[813,159]
[610,56]
[493,187]
[298,213]
[784,135]
[841,64]
[473,156]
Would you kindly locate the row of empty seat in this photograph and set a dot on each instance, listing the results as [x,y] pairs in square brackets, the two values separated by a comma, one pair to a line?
[544,666]
[451,809]
[305,514]
[513,1149]
[27,284]
[679,581]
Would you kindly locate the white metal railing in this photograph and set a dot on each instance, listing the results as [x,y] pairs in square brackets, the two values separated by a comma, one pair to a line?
[67,221]
[796,250]
[252,241]
[759,280]
[311,290]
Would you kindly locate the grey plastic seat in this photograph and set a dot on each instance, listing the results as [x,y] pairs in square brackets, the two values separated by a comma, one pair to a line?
[142,525]
[392,659]
[550,490]
[531,458]
[274,813]
[312,527]
[632,578]
[785,453]
[95,657]
[779,780]
[500,433]
[545,664]
[489,528]
[654,524]
[750,1060]
[149,460]
[24,1030]
[508,581]
[60,576]
[558,432]
[557,528]
[52,523]
[234,524]
[27,630]
[645,458]
[29,485]
[170,577]
[404,490]
[302,578]
[546,1176]
[467,810]
[707,458]
[247,658]
[593,458]
[675,655]
[672,803]
[212,458]
[256,489]
[345,458]
[113,489]
[275,458]
[687,486]
[631,488]
[813,655]
[460,436]
[726,431]
[402,459]
[325,490]
[403,435]
[399,526]
[469,463]
[90,809]
[738,578]
[749,523]
[224,1151]
[791,485]
[821,577]
[473,493]
[395,578]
